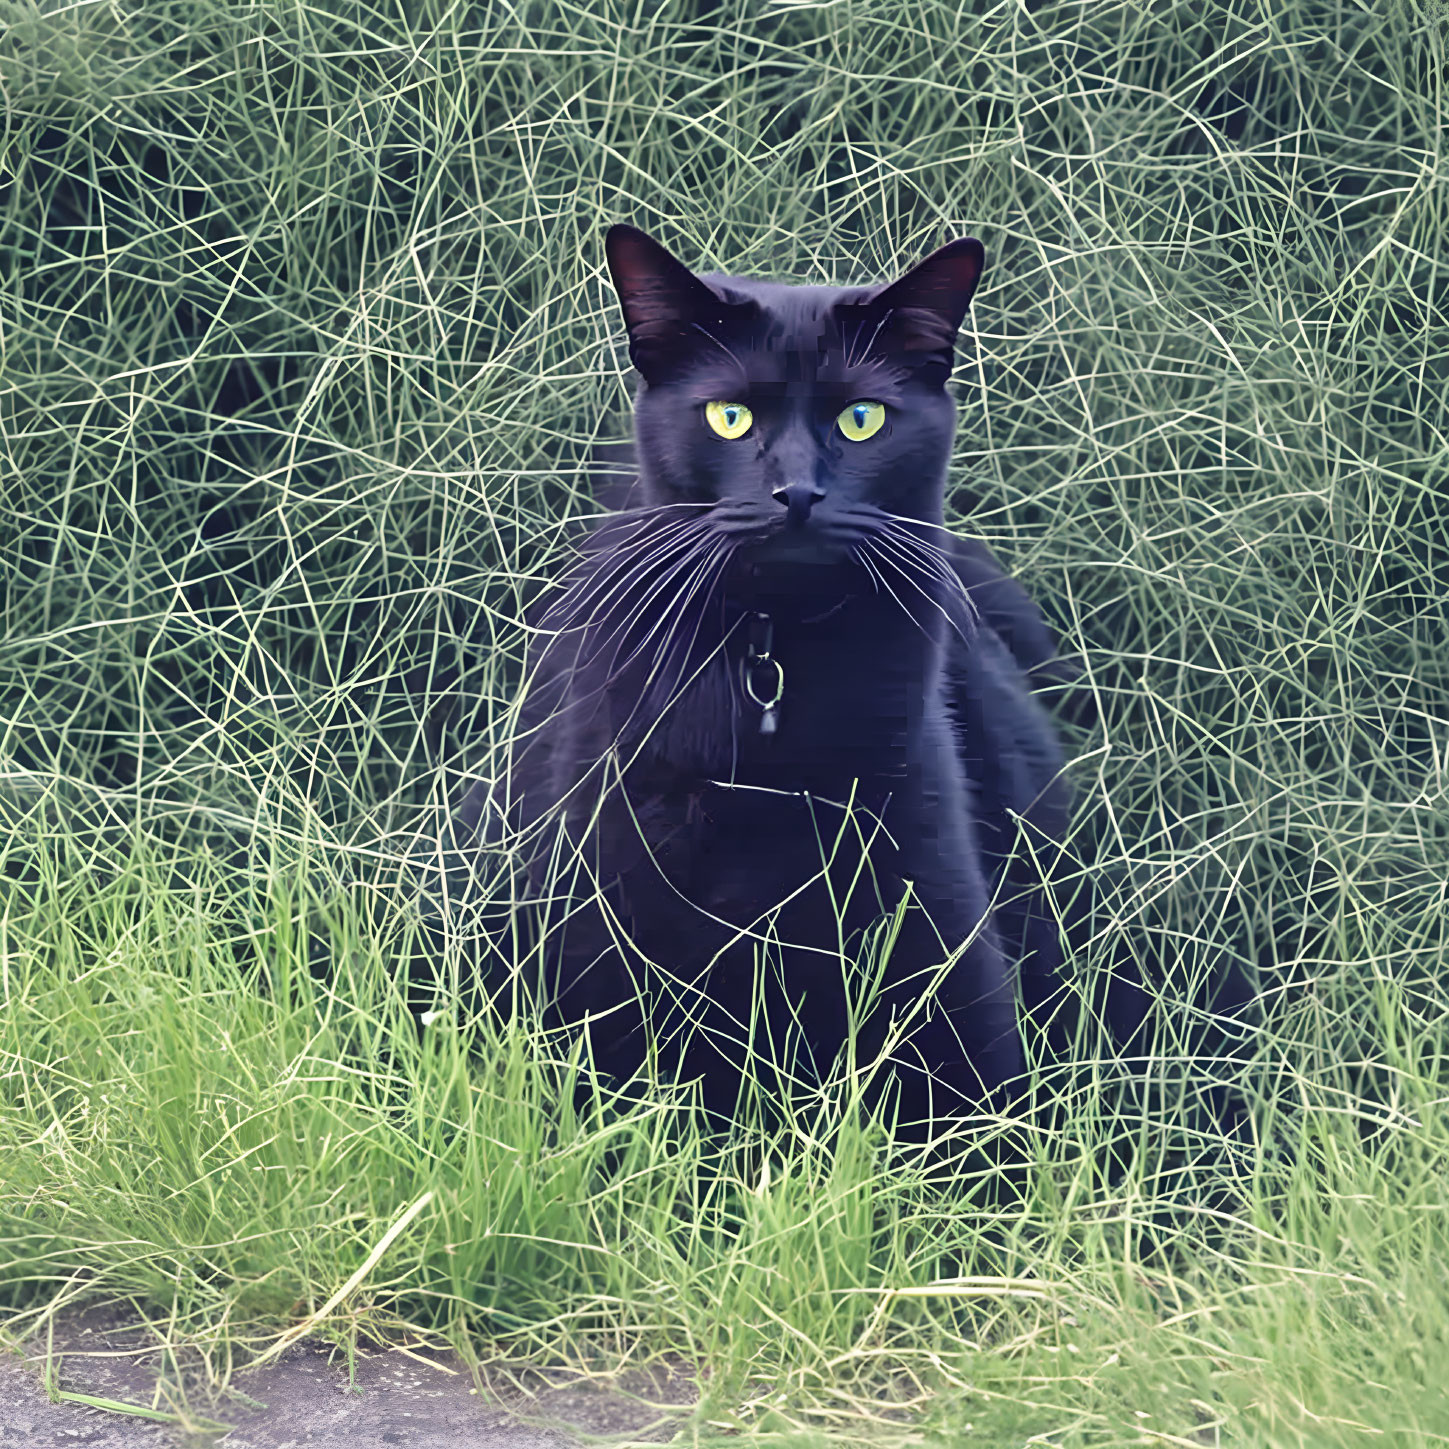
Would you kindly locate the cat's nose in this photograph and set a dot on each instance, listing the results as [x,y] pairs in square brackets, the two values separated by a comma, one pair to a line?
[799,498]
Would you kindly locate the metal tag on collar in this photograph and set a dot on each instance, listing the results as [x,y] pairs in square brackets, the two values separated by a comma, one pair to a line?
[765,694]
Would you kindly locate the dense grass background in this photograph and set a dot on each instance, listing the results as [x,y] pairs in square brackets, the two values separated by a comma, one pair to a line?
[304,337]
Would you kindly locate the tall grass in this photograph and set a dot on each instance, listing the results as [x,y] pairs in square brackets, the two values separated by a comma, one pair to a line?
[304,339]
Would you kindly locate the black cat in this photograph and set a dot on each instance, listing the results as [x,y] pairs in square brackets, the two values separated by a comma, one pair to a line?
[778,721]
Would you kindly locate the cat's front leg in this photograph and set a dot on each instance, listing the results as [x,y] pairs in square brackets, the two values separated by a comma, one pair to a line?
[951,1013]
[948,975]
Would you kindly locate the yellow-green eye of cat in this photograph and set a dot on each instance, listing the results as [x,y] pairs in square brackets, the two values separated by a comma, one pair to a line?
[729,420]
[862,420]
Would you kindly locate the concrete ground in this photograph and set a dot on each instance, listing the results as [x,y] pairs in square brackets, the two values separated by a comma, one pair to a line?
[419,1399]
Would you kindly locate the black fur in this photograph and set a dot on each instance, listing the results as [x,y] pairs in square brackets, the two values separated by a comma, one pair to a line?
[909,746]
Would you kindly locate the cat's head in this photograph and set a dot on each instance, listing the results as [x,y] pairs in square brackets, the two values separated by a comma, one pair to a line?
[802,415]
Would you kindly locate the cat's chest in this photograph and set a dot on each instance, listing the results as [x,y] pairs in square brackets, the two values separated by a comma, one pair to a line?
[789,709]
[739,853]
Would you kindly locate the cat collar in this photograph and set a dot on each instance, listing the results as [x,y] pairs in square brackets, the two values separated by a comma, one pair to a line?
[761,674]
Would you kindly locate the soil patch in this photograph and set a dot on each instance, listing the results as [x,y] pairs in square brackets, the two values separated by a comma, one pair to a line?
[397,1397]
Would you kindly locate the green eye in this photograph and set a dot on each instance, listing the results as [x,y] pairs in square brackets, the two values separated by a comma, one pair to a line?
[729,420]
[862,420]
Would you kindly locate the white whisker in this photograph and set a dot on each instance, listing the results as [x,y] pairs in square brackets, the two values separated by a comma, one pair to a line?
[885,584]
[903,562]
[939,563]
[728,351]
[851,360]
[616,568]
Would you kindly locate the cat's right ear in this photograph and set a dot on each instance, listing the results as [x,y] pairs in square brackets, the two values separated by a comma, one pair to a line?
[669,312]
[916,318]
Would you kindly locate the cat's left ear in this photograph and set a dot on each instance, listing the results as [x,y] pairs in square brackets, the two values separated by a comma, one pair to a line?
[915,319]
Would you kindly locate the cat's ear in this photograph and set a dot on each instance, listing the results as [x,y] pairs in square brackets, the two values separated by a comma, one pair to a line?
[669,312]
[915,319]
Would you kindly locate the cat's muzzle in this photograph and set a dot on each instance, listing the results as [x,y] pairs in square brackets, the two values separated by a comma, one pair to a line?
[799,499]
